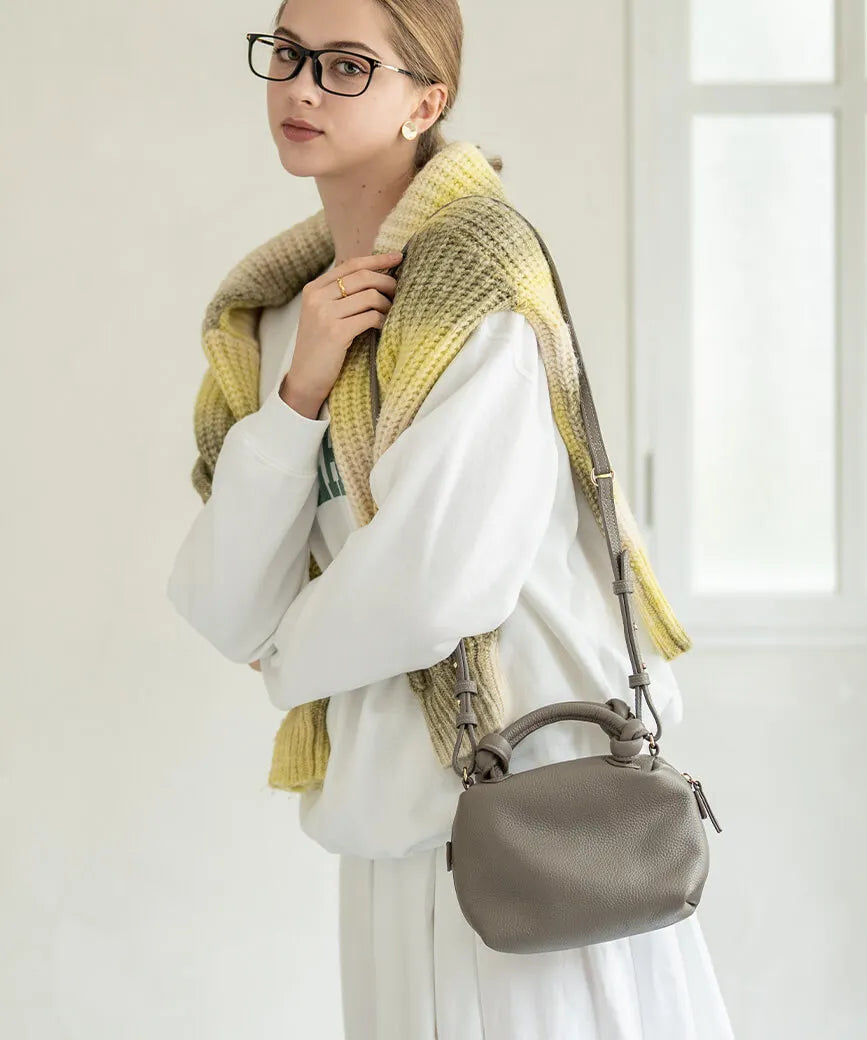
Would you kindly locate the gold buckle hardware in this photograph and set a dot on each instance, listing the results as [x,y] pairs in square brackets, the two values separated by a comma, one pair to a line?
[594,476]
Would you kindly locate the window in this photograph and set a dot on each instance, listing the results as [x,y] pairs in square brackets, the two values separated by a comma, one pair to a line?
[748,196]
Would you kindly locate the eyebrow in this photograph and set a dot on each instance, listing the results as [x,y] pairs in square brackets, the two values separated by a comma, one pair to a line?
[282,30]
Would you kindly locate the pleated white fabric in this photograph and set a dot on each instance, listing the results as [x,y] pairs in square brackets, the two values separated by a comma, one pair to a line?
[412,968]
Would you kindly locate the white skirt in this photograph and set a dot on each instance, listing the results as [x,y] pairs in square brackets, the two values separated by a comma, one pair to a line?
[412,968]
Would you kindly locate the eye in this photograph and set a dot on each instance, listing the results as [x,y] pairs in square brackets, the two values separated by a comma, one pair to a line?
[287,53]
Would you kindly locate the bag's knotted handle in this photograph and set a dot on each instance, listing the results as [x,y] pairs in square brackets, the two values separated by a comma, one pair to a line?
[627,734]
[602,475]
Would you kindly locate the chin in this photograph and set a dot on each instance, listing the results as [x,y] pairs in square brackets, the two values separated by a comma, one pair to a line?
[299,169]
[293,158]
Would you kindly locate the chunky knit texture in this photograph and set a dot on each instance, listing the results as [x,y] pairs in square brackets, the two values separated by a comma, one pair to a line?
[469,256]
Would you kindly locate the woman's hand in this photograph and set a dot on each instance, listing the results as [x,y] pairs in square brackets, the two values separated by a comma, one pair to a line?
[329,323]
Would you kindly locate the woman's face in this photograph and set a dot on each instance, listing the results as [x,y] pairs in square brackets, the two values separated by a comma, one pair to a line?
[355,130]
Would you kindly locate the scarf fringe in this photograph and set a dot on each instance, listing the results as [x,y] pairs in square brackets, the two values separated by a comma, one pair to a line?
[301,749]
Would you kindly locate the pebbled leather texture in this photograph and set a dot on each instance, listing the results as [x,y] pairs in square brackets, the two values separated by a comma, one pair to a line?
[577,852]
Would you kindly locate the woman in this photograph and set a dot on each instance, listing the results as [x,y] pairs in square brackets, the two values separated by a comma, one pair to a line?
[347,572]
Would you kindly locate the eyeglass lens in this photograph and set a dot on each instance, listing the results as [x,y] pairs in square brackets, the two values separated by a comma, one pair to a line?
[342,73]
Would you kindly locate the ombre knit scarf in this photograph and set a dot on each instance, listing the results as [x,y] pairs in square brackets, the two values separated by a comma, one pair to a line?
[465,261]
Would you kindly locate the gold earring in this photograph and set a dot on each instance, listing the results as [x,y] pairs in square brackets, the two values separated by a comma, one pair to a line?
[409,130]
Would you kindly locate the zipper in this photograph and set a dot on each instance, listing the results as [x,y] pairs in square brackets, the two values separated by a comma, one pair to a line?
[703,804]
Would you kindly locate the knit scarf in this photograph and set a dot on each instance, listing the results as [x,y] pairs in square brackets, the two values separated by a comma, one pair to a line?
[469,257]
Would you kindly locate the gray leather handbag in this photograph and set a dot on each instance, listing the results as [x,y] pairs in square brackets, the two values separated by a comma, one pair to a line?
[587,850]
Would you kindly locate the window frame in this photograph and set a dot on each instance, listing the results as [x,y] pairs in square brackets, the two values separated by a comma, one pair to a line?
[662,102]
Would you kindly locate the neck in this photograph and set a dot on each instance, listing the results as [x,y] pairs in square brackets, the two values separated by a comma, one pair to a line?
[356,201]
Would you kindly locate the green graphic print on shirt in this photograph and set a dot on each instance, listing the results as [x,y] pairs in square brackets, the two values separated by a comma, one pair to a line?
[330,481]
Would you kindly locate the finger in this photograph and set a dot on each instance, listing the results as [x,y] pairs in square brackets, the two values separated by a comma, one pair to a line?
[364,300]
[354,283]
[357,263]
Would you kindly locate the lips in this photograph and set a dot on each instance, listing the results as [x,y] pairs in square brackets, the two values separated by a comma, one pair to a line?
[301,125]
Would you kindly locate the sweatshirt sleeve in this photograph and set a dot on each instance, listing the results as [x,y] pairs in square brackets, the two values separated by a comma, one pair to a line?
[464,496]
[246,555]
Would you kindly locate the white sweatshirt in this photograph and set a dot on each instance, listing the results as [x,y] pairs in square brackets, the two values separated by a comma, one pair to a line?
[480,523]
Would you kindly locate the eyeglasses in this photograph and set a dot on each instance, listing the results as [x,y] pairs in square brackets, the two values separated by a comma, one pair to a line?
[337,72]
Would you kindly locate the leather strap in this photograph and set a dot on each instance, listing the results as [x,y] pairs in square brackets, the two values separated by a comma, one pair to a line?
[603,478]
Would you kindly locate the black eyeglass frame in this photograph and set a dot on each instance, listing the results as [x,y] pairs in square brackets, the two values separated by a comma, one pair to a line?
[314,56]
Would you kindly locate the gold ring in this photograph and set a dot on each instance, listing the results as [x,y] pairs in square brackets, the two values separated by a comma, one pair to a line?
[343,291]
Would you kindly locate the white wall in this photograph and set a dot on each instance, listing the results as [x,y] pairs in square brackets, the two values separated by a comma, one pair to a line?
[152,885]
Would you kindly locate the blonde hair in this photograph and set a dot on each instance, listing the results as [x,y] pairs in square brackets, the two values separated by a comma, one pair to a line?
[428,37]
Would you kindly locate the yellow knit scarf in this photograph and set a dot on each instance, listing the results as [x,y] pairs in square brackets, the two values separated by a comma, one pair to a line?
[465,262]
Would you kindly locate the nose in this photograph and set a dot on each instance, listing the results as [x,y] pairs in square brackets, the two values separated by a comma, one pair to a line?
[306,66]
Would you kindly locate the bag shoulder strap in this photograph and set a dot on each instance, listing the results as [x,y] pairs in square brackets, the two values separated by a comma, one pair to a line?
[603,479]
